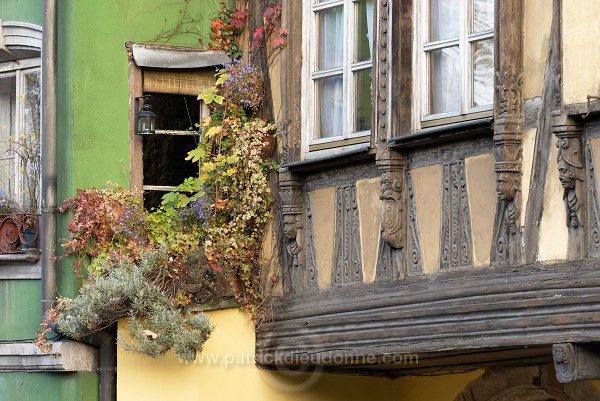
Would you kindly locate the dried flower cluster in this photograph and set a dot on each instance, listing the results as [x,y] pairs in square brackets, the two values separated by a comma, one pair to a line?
[105,224]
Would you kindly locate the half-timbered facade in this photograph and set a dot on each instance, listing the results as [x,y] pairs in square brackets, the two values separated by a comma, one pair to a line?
[464,230]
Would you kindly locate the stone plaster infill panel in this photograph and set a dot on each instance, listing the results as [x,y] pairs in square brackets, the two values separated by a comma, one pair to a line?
[537,23]
[581,53]
[427,187]
[528,150]
[66,356]
[554,233]
[367,194]
[322,203]
[481,186]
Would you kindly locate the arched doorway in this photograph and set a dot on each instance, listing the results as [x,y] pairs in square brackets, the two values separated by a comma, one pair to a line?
[536,383]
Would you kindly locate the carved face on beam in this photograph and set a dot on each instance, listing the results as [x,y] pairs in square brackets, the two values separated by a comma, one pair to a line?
[567,174]
[570,165]
[291,224]
[391,186]
[506,185]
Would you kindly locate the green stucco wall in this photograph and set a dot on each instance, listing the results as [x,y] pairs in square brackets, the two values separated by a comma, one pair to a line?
[22,10]
[20,309]
[20,386]
[96,77]
[93,86]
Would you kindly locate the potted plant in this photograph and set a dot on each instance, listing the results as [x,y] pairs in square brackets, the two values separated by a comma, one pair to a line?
[9,230]
[26,147]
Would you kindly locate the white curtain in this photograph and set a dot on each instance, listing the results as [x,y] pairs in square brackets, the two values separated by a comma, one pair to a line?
[330,90]
[444,19]
[445,80]
[369,6]
[331,34]
[331,106]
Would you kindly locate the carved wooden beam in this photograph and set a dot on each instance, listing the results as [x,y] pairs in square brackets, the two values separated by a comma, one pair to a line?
[508,131]
[576,362]
[292,205]
[381,66]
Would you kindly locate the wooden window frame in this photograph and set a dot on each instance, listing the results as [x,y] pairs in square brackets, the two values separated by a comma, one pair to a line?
[348,141]
[18,69]
[422,66]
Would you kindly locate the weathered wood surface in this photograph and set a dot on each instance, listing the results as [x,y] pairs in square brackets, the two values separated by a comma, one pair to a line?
[470,310]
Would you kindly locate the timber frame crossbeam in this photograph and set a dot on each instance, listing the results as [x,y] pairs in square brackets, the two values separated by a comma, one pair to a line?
[468,311]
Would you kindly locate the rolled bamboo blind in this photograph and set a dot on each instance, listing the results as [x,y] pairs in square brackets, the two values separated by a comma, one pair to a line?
[180,82]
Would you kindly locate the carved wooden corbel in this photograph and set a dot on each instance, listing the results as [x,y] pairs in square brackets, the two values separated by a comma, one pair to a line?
[290,191]
[576,362]
[571,172]
[390,264]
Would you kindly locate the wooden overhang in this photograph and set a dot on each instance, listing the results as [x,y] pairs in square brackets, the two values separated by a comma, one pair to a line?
[445,321]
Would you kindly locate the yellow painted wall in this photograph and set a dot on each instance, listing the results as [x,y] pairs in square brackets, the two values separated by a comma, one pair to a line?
[367,195]
[438,388]
[481,185]
[581,51]
[536,40]
[427,186]
[554,234]
[323,217]
[528,150]
[225,371]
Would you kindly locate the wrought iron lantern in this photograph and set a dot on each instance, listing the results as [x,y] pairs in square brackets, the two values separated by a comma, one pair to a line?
[145,120]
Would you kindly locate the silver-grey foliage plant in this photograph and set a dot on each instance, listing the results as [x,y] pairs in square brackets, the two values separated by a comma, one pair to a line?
[135,291]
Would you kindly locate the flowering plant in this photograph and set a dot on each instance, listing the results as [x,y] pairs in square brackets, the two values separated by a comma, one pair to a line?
[243,84]
[8,204]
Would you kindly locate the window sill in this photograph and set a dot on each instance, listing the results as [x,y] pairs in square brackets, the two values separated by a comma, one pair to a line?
[66,356]
[342,158]
[442,134]
[20,266]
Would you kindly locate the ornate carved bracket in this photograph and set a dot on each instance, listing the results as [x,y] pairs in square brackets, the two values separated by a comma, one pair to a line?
[576,362]
[290,191]
[508,140]
[571,172]
[390,263]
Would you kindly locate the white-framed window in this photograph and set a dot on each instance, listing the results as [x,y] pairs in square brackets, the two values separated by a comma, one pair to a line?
[455,59]
[337,78]
[20,145]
